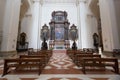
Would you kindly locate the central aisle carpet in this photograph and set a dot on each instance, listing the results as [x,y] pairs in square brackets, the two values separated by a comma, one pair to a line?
[61,67]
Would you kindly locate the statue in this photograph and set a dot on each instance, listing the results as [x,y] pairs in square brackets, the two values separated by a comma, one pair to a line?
[74,46]
[96,41]
[44,45]
[22,38]
[45,32]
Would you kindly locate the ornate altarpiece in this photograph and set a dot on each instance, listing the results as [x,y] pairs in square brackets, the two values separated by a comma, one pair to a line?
[59,29]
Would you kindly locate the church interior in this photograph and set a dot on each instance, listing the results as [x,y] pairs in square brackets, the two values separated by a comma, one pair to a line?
[59,40]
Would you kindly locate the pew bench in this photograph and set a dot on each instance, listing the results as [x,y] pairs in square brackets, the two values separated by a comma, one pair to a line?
[99,64]
[79,58]
[43,57]
[22,65]
[47,53]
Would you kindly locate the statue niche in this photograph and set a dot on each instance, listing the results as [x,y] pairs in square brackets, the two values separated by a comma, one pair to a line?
[22,45]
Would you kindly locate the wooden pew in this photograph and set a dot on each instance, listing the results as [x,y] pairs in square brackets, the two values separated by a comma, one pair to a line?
[79,58]
[74,56]
[72,53]
[43,57]
[47,53]
[22,64]
[99,64]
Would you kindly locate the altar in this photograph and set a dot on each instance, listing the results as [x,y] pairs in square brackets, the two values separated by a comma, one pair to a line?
[59,27]
[60,32]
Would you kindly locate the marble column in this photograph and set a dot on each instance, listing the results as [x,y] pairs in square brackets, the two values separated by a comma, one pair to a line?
[2,12]
[10,25]
[79,24]
[109,25]
[36,41]
[81,12]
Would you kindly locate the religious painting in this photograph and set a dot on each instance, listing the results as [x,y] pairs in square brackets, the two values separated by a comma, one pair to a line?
[59,33]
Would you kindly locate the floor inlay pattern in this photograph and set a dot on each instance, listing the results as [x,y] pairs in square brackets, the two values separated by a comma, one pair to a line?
[62,64]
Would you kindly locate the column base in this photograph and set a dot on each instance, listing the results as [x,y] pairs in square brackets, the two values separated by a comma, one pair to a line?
[7,54]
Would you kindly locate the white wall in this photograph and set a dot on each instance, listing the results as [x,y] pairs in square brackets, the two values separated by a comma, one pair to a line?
[88,26]
[10,25]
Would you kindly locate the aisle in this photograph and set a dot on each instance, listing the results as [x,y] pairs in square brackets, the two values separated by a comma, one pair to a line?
[60,63]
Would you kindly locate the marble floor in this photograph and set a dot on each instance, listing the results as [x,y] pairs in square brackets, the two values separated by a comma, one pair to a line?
[61,67]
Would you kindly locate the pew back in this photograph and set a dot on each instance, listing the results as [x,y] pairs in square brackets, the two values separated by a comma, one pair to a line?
[100,62]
